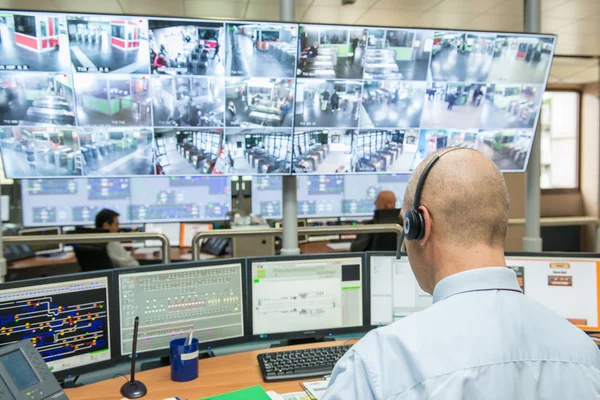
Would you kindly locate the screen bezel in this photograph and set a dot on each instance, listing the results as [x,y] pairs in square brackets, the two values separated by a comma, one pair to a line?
[108,274]
[166,267]
[298,25]
[302,334]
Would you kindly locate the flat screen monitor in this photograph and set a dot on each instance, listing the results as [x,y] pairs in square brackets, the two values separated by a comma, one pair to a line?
[393,290]
[172,230]
[189,230]
[111,96]
[70,201]
[306,295]
[565,283]
[5,207]
[40,248]
[327,195]
[172,300]
[67,319]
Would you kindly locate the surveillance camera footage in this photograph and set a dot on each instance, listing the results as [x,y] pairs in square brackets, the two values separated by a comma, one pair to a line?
[392,104]
[325,151]
[398,54]
[118,100]
[258,151]
[37,99]
[117,151]
[461,57]
[257,102]
[40,152]
[116,45]
[385,150]
[261,50]
[103,95]
[521,59]
[331,52]
[327,103]
[188,151]
[33,42]
[188,101]
[452,105]
[186,47]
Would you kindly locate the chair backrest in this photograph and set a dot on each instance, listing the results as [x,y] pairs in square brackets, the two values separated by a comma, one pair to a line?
[385,241]
[91,256]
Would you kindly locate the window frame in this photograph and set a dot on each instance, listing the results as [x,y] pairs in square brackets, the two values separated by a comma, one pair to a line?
[576,189]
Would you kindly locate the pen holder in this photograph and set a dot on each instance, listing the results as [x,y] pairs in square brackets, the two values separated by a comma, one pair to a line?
[184,360]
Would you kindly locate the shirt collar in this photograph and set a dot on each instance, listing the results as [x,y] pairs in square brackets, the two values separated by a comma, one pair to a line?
[491,278]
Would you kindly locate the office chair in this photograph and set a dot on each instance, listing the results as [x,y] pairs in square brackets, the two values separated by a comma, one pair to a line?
[385,241]
[91,256]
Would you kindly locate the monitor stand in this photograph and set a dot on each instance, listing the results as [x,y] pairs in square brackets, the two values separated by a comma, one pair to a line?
[304,340]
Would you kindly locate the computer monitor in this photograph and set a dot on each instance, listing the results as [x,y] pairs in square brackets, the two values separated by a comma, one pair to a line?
[5,207]
[67,318]
[565,283]
[393,290]
[171,300]
[172,230]
[300,296]
[40,248]
[189,230]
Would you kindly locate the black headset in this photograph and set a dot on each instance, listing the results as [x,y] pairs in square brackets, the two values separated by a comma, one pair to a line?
[414,227]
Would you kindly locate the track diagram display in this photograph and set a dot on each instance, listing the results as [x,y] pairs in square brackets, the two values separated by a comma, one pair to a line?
[303,295]
[68,322]
[172,302]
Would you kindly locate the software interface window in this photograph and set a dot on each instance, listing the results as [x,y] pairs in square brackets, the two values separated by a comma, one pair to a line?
[566,286]
[395,292]
[305,295]
[171,303]
[67,322]
[74,75]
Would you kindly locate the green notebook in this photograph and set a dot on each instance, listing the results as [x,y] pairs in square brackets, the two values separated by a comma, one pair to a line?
[251,393]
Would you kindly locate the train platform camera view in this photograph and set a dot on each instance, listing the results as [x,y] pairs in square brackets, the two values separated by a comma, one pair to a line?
[352,94]
[306,295]
[171,302]
[394,291]
[67,321]
[59,202]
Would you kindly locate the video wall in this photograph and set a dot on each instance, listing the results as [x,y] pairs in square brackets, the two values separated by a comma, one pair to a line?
[119,96]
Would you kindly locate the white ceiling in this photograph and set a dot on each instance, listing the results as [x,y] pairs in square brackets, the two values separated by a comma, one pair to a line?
[576,22]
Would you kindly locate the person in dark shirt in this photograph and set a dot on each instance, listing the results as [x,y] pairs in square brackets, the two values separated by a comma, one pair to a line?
[386,200]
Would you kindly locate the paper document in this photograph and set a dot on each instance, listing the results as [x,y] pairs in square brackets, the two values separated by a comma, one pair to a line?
[315,389]
[343,246]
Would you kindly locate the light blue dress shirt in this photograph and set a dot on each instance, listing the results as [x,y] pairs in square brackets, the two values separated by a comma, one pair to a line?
[481,339]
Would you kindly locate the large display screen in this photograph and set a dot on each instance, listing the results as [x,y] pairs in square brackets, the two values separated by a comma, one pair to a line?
[69,201]
[326,195]
[118,96]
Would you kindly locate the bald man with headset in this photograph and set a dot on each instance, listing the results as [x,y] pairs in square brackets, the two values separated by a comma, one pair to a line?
[482,338]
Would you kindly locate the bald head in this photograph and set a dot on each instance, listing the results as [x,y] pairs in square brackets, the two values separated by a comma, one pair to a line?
[386,200]
[466,196]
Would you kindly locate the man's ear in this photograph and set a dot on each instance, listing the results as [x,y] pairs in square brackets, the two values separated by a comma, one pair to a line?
[428,222]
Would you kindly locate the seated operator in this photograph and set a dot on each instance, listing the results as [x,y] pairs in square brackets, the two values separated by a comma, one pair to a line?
[108,220]
[482,338]
[386,200]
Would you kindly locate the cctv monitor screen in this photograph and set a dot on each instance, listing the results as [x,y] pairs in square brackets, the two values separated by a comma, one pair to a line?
[67,319]
[101,96]
[206,298]
[394,291]
[567,284]
[306,295]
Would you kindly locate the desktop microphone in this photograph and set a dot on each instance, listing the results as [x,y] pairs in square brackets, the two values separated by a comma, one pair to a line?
[134,389]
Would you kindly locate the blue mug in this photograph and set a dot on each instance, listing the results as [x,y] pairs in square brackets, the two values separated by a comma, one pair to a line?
[184,360]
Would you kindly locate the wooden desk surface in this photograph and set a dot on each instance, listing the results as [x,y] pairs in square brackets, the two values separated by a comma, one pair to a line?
[317,248]
[216,376]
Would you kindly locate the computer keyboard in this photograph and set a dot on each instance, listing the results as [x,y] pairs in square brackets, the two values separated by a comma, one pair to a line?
[299,364]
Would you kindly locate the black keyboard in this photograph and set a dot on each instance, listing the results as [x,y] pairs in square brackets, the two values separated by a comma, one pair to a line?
[299,364]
